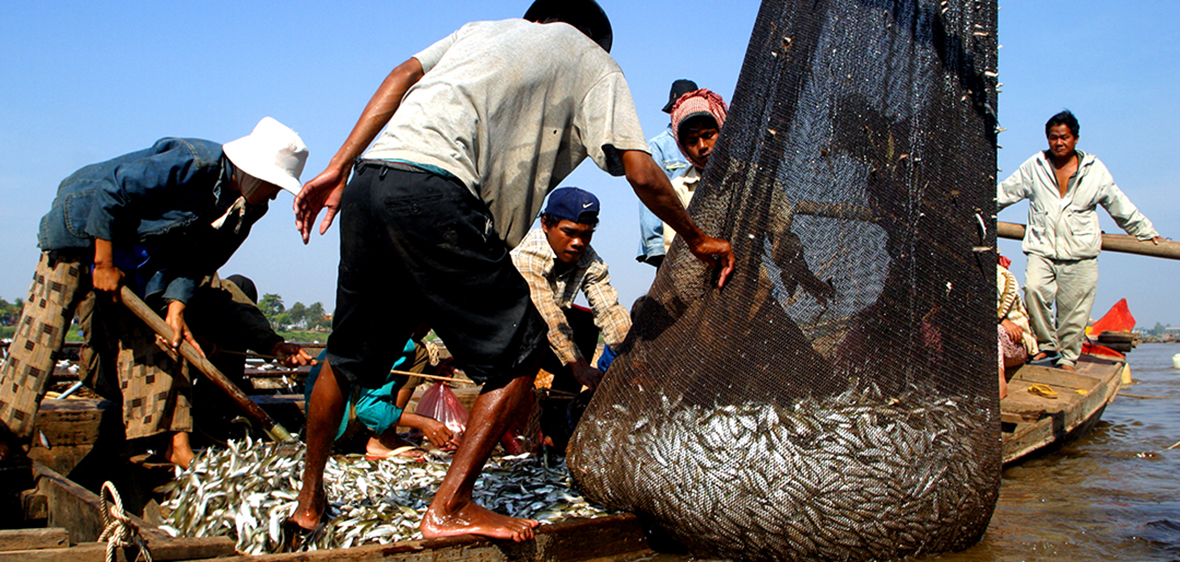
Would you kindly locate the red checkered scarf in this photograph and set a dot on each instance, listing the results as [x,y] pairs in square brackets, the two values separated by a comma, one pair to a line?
[693,103]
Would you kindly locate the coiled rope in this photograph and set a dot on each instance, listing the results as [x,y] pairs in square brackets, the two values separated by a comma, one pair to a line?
[431,352]
[120,532]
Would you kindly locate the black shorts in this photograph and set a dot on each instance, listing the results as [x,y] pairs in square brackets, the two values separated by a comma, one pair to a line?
[419,247]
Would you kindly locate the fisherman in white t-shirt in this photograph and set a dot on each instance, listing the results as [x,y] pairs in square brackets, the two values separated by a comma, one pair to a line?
[479,127]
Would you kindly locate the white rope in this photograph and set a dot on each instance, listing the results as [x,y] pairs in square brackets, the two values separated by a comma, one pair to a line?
[431,352]
[120,532]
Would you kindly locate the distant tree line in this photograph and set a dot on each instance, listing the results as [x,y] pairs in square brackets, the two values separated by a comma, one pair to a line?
[10,312]
[299,316]
[1158,330]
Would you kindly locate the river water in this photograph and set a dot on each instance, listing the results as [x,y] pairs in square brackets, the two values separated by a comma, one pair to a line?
[1112,495]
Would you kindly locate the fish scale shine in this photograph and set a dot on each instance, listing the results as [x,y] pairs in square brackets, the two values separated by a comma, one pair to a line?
[853,476]
[248,489]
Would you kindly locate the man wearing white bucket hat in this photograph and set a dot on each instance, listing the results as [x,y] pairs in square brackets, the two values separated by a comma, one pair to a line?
[162,221]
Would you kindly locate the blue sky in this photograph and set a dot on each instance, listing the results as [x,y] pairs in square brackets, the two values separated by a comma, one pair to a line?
[85,82]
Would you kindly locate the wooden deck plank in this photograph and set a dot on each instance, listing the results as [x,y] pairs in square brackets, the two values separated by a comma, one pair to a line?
[75,508]
[1058,377]
[71,428]
[33,539]
[572,541]
[1066,416]
[171,550]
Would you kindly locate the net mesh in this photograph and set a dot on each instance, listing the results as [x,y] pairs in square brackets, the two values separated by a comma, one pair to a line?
[838,398]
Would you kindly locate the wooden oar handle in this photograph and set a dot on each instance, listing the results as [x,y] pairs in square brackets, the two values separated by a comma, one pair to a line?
[433,377]
[157,324]
[1110,242]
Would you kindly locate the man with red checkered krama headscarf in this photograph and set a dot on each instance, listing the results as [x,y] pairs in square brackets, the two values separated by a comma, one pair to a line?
[697,118]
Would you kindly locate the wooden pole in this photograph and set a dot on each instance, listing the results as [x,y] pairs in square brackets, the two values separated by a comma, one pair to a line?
[1110,242]
[157,324]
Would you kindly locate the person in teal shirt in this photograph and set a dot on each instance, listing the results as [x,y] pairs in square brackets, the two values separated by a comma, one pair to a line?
[379,411]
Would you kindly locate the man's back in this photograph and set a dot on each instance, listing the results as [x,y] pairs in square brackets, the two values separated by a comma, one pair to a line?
[510,108]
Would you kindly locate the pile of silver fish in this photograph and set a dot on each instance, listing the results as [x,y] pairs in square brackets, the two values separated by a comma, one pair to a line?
[856,476]
[248,490]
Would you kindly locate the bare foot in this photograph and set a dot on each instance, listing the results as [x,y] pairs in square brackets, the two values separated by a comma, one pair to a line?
[385,448]
[386,442]
[179,451]
[473,519]
[310,510]
[1069,368]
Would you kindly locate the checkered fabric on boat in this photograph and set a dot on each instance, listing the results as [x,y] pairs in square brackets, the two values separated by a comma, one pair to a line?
[152,380]
[58,283]
[838,398]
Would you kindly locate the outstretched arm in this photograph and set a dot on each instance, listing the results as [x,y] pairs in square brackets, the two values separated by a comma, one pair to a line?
[325,189]
[434,430]
[532,267]
[653,188]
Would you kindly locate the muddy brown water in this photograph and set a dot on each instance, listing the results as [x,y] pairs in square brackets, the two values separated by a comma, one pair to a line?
[1111,495]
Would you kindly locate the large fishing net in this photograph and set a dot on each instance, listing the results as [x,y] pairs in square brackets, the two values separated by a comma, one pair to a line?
[838,398]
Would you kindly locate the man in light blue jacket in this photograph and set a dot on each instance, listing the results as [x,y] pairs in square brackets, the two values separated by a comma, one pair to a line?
[1064,186]
[665,152]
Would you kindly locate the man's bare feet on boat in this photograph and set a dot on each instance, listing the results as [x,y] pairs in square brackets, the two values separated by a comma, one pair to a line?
[179,451]
[310,510]
[473,519]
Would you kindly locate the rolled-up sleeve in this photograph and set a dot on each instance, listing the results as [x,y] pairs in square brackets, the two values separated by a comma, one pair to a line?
[535,269]
[430,56]
[608,124]
[609,315]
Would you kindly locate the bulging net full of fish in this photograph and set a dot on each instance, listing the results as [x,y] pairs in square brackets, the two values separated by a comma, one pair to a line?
[856,476]
[838,397]
[247,490]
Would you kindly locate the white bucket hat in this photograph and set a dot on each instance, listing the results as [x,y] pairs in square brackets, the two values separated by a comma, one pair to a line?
[272,153]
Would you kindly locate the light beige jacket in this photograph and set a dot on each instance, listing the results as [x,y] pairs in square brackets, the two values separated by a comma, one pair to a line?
[1066,228]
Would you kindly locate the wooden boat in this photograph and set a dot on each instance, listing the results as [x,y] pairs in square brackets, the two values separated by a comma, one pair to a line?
[66,517]
[48,515]
[1048,407]
[1035,424]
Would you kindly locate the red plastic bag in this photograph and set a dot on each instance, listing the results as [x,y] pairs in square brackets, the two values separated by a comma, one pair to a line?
[438,402]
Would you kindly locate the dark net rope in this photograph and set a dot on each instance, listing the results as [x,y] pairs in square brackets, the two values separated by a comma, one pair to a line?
[838,399]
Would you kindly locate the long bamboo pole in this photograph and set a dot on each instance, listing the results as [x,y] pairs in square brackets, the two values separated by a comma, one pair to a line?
[1110,242]
[157,324]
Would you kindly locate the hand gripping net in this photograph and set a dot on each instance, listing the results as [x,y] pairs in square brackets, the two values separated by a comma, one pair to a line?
[838,399]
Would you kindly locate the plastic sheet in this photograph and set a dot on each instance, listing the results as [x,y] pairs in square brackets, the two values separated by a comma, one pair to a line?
[439,403]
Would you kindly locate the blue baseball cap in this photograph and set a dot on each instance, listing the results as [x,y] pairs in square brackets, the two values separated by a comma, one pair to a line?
[573,204]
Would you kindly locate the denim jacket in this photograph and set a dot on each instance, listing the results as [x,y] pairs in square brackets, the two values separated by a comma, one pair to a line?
[156,206]
[651,229]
